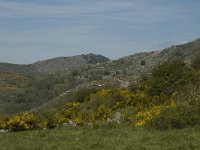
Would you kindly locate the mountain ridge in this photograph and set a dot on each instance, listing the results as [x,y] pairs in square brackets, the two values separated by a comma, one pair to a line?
[182,51]
[55,64]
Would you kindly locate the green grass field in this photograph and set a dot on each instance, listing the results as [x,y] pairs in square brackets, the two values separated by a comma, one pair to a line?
[86,138]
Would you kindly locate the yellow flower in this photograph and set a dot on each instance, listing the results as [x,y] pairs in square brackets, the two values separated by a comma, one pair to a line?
[143,117]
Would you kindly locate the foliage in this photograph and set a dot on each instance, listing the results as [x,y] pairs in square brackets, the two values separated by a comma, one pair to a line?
[166,99]
[68,112]
[23,121]
[102,97]
[143,63]
[116,98]
[143,117]
[196,62]
[82,95]
[20,93]
[181,117]
[170,76]
[101,114]
[93,59]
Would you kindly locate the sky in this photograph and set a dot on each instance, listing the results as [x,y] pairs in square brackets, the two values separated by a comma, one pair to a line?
[32,30]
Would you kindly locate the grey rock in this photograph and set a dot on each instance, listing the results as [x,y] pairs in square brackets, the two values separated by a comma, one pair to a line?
[118,116]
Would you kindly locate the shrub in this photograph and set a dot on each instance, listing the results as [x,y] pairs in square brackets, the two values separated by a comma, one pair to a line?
[143,62]
[78,120]
[102,113]
[2,123]
[118,98]
[195,63]
[68,112]
[178,118]
[107,97]
[145,116]
[83,94]
[168,119]
[170,76]
[23,121]
[51,123]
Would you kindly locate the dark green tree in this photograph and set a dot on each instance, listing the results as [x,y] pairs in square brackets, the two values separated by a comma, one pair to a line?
[196,62]
[170,76]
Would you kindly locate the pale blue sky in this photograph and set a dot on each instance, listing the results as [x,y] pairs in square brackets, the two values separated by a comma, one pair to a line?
[32,30]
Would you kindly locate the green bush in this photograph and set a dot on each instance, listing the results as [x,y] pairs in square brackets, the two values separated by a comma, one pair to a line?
[67,112]
[168,119]
[169,77]
[83,94]
[177,118]
[51,123]
[23,121]
[195,63]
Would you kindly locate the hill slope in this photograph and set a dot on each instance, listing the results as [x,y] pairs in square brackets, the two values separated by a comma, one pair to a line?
[128,69]
[142,63]
[54,65]
[62,63]
[86,71]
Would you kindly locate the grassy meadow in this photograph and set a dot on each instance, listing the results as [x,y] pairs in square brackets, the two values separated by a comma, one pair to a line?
[86,138]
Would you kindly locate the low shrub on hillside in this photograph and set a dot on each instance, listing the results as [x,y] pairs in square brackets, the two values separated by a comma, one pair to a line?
[178,118]
[145,116]
[118,98]
[101,114]
[23,121]
[82,95]
[71,112]
[66,113]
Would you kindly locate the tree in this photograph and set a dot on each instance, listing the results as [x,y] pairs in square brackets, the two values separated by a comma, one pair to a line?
[143,62]
[196,62]
[169,76]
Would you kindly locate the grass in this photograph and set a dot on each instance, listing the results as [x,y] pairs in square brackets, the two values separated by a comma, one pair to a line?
[86,138]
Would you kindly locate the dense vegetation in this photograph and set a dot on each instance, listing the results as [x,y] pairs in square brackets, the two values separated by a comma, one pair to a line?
[20,92]
[106,101]
[84,71]
[167,99]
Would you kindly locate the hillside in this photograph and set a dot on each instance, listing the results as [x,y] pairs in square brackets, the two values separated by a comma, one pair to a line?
[72,73]
[143,63]
[20,92]
[12,87]
[7,67]
[133,66]
[62,63]
[54,65]
[125,71]
[156,90]
[167,99]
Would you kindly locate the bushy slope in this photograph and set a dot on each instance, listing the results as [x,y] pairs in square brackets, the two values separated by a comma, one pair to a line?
[13,85]
[7,67]
[85,71]
[167,99]
[19,92]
